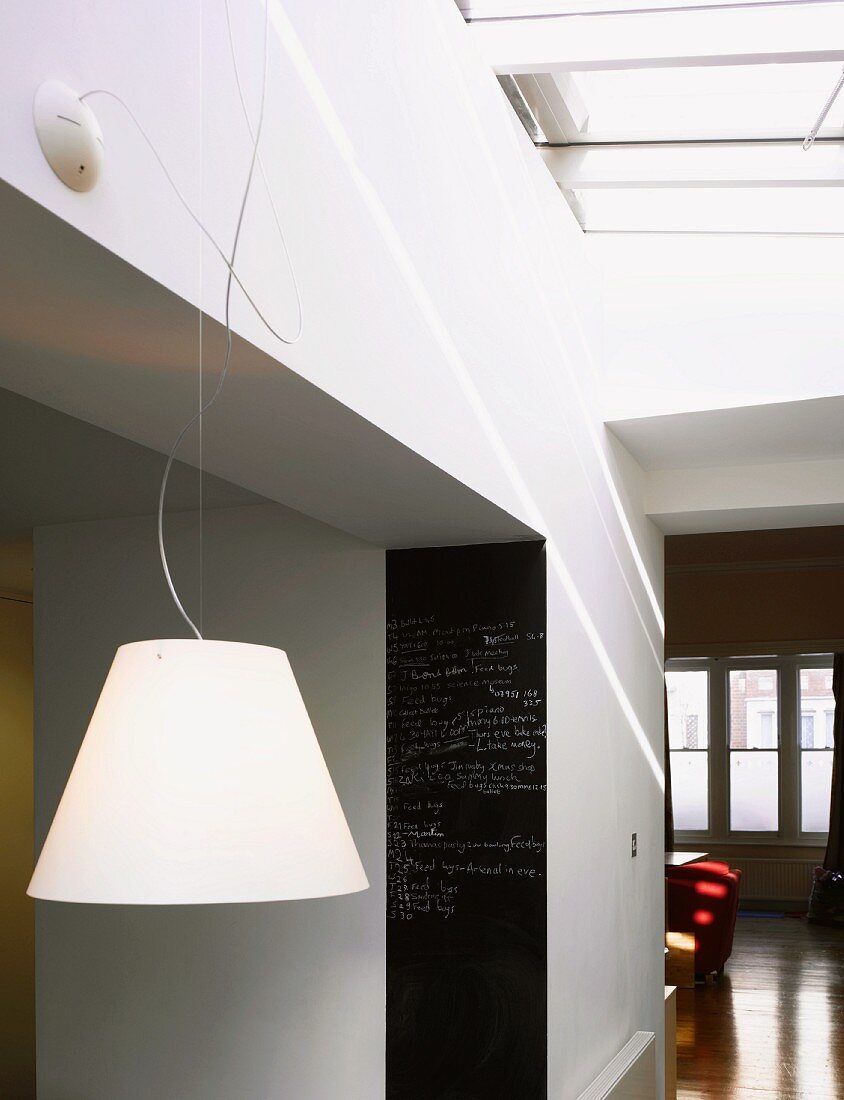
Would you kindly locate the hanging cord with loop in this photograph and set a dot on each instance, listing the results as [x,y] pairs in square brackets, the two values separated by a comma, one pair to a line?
[231,277]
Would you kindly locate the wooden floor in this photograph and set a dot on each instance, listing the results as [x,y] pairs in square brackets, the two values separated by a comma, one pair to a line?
[772,1027]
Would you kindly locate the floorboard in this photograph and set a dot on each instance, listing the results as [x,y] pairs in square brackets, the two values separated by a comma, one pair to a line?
[772,1027]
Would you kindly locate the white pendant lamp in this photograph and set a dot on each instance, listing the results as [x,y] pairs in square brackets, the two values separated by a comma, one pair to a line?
[200,780]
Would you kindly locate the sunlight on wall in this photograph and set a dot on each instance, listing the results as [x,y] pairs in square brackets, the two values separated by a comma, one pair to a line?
[377,210]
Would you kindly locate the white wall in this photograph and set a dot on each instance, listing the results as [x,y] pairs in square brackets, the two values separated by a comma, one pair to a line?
[449,300]
[705,322]
[216,1002]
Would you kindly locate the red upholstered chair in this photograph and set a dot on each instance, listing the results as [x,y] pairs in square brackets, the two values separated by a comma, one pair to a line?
[702,898]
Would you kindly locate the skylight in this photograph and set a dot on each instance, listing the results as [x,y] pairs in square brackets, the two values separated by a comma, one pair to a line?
[680,117]
[704,102]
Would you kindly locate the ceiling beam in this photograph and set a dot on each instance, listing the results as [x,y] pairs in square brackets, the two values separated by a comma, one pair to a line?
[578,168]
[725,36]
[740,498]
[555,104]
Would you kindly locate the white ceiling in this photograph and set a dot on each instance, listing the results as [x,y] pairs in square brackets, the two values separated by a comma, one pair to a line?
[750,468]
[749,519]
[86,334]
[792,431]
[55,468]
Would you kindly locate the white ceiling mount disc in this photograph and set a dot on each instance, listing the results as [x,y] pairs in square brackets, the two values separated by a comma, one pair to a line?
[69,135]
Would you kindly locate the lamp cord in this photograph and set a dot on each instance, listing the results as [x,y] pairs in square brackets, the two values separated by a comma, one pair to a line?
[809,140]
[232,276]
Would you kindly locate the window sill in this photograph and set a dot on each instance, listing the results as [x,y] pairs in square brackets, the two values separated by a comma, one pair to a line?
[694,842]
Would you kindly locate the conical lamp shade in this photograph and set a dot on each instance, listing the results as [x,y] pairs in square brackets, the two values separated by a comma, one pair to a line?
[200,780]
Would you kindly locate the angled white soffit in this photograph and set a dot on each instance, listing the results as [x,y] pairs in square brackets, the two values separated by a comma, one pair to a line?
[84,332]
[787,431]
[756,467]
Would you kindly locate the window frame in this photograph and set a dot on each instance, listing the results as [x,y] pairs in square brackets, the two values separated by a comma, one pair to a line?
[821,838]
[696,667]
[587,103]
[788,668]
[739,664]
[803,716]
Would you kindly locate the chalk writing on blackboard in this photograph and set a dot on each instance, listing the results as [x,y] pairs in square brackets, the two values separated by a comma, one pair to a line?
[461,718]
[466,823]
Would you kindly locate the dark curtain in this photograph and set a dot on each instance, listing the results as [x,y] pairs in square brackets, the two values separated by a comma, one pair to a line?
[669,804]
[834,858]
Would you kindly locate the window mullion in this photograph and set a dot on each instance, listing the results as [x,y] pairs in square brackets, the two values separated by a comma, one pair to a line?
[789,750]
[719,764]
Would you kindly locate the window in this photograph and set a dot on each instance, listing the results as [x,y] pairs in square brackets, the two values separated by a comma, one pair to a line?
[688,740]
[754,755]
[807,730]
[709,102]
[767,730]
[817,714]
[751,747]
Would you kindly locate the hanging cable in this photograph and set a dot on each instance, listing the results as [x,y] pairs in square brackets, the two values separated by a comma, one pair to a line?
[809,140]
[242,98]
[191,213]
[232,276]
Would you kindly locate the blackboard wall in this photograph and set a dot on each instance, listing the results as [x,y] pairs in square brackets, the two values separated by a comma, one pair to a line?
[466,823]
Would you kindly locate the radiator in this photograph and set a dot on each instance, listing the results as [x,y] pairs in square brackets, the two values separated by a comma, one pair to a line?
[774,879]
[631,1075]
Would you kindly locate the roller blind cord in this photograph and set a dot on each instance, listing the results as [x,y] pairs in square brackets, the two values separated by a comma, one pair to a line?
[809,140]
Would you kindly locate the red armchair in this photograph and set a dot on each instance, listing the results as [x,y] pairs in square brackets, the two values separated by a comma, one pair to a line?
[702,898]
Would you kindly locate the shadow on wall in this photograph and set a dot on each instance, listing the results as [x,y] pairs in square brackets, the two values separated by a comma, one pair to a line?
[17,947]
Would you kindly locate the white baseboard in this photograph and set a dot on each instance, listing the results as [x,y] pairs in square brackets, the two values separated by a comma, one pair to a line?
[631,1075]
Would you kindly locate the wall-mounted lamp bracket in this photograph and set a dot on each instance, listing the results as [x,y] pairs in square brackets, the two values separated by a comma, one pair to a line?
[69,135]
